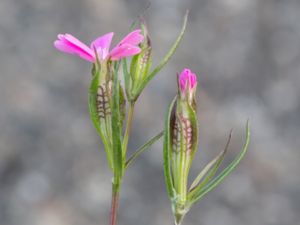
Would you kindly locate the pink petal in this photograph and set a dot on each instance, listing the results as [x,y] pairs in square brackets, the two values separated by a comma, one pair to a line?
[69,44]
[63,47]
[124,50]
[102,45]
[193,80]
[187,79]
[78,43]
[133,38]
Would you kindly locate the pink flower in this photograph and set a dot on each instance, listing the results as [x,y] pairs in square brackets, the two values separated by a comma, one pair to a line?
[127,47]
[187,81]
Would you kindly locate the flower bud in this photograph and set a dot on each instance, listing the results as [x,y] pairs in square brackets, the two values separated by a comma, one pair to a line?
[181,133]
[140,64]
[144,59]
[187,84]
[180,145]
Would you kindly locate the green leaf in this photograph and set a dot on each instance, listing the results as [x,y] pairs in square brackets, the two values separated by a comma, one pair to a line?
[211,168]
[165,59]
[218,179]
[143,148]
[167,152]
[116,129]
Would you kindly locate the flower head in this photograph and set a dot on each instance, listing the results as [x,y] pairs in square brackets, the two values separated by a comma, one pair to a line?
[187,82]
[99,48]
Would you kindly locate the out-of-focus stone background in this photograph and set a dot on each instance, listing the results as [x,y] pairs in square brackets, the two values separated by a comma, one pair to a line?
[53,169]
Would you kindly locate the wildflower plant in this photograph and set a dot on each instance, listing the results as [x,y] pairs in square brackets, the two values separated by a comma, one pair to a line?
[180,146]
[111,108]
[107,98]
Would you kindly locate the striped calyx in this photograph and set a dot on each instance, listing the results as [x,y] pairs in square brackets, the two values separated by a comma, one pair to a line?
[103,98]
[100,105]
[140,64]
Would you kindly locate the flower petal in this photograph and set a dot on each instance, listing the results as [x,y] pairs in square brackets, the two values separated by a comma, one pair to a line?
[187,80]
[124,50]
[69,44]
[102,44]
[133,38]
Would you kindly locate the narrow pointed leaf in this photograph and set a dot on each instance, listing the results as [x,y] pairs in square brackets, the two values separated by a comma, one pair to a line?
[167,56]
[143,148]
[210,169]
[218,179]
[167,153]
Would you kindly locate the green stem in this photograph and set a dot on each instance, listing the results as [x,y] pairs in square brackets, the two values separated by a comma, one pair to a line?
[128,127]
[116,185]
[178,218]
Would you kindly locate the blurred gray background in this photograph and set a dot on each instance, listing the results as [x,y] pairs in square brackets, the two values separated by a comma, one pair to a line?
[246,53]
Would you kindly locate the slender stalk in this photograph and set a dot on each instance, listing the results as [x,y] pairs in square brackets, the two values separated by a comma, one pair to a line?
[116,184]
[178,218]
[114,201]
[128,127]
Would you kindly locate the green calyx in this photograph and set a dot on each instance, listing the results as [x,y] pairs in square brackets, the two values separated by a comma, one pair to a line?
[101,108]
[107,107]
[180,146]
[141,63]
[140,72]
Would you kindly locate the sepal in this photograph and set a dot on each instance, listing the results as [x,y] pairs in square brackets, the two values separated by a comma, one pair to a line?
[100,109]
[167,146]
[101,104]
[180,146]
[116,126]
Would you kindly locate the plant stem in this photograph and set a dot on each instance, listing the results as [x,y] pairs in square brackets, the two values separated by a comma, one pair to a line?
[116,184]
[114,201]
[178,219]
[128,127]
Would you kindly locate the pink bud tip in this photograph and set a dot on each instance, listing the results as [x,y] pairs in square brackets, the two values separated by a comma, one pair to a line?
[187,80]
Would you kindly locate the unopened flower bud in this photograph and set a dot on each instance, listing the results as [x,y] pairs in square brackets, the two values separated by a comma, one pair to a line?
[141,63]
[187,83]
[181,139]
